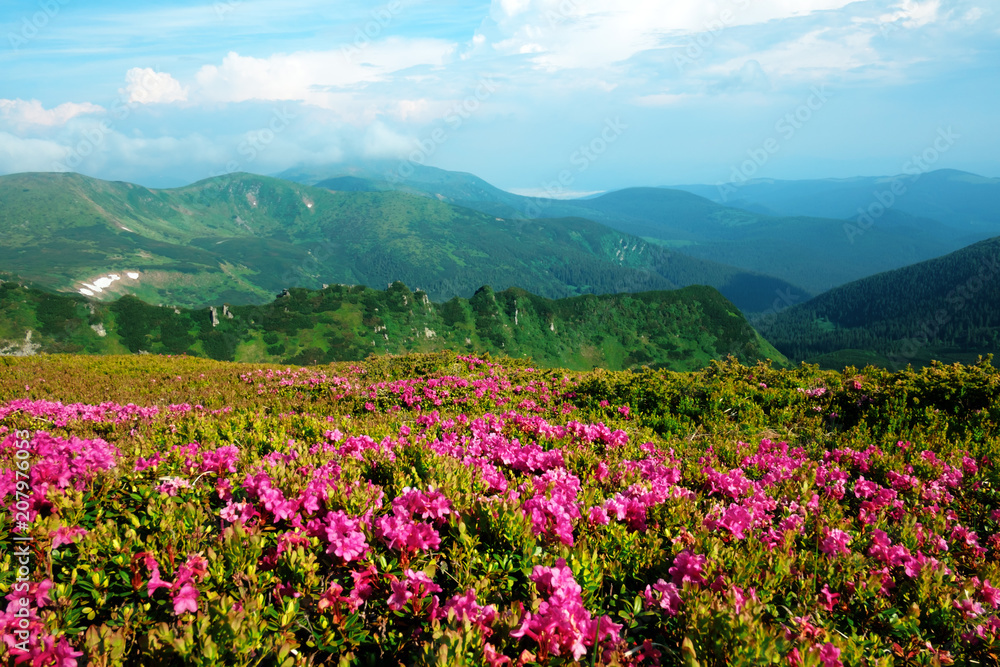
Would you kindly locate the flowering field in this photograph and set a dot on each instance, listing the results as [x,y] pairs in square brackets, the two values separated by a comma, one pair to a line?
[436,509]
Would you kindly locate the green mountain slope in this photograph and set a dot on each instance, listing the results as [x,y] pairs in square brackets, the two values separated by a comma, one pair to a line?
[240,238]
[814,253]
[680,330]
[946,309]
[810,251]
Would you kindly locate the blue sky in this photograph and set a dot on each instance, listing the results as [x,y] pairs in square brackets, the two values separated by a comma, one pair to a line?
[516,91]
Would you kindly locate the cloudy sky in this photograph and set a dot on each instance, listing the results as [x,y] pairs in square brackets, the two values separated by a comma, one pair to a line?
[610,93]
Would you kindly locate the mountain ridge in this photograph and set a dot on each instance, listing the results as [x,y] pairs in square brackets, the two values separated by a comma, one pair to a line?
[241,237]
[944,308]
[680,330]
[809,251]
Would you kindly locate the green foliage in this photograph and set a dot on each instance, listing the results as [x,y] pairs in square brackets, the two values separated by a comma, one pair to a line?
[258,606]
[942,309]
[680,330]
[240,238]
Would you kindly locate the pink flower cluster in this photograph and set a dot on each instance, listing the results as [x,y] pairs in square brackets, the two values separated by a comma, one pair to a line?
[24,632]
[562,626]
[688,567]
[553,507]
[345,536]
[66,535]
[183,591]
[333,599]
[412,590]
[58,463]
[468,610]
[664,595]
[399,530]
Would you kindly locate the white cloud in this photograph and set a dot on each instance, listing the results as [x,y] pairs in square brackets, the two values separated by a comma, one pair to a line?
[316,77]
[24,112]
[18,154]
[145,86]
[973,15]
[818,55]
[547,194]
[913,14]
[382,142]
[590,33]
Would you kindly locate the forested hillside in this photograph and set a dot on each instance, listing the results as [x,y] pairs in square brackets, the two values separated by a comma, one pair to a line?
[947,309]
[680,330]
[241,238]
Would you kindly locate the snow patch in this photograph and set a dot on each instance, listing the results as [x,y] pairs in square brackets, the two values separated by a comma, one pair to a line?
[101,283]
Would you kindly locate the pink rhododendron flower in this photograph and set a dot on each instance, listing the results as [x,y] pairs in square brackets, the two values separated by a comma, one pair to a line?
[143,464]
[667,597]
[733,484]
[599,516]
[234,512]
[155,582]
[404,534]
[740,597]
[184,594]
[829,656]
[970,608]
[58,652]
[416,586]
[468,609]
[990,595]
[66,535]
[345,536]
[835,543]
[827,599]
[221,460]
[493,658]
[554,507]
[186,599]
[173,485]
[688,567]
[813,503]
[736,520]
[431,504]
[562,626]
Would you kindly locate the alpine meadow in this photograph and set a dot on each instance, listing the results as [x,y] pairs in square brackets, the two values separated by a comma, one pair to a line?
[504,333]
